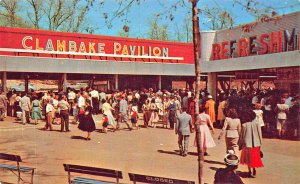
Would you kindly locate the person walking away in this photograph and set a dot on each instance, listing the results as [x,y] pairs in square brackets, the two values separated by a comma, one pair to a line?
[232,129]
[49,115]
[64,107]
[36,113]
[25,106]
[250,142]
[95,100]
[3,105]
[183,129]
[207,140]
[281,110]
[185,101]
[172,113]
[86,121]
[123,117]
[210,109]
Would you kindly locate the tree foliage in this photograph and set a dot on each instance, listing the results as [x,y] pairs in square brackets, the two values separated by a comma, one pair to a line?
[73,16]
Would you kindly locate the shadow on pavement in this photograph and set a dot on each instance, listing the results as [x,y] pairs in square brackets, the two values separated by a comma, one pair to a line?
[78,137]
[243,174]
[239,173]
[214,162]
[175,152]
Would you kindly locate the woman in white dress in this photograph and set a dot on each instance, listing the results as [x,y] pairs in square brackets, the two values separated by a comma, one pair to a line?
[106,108]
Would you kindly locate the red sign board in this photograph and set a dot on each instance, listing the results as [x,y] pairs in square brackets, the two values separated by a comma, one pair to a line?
[93,46]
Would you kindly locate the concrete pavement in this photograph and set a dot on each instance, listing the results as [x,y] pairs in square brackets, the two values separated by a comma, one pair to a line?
[149,151]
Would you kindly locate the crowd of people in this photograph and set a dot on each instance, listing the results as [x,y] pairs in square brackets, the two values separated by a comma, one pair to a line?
[244,116]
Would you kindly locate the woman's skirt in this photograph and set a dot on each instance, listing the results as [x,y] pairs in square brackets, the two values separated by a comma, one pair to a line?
[207,140]
[251,157]
[111,119]
[86,123]
[36,113]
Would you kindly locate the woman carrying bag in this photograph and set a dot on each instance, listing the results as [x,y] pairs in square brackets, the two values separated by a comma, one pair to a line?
[250,142]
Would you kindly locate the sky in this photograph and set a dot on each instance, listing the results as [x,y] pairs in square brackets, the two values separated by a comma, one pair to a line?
[140,14]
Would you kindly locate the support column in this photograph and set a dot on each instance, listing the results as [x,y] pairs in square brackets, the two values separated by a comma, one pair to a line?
[64,82]
[116,81]
[159,82]
[212,84]
[3,82]
[26,82]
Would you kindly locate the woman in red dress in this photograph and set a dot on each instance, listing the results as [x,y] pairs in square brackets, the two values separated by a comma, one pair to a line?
[250,141]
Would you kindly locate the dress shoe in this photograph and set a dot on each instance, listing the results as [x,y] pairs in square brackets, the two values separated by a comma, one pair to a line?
[206,154]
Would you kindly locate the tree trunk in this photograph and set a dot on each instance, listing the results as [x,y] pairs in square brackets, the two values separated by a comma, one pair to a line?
[197,55]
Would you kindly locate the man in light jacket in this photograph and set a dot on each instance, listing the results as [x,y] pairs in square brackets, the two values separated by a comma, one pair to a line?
[183,129]
[25,106]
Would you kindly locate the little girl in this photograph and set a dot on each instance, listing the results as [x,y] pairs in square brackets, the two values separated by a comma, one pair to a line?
[105,123]
[134,117]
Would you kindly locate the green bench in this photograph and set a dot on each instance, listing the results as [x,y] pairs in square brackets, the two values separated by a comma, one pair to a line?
[156,179]
[16,169]
[91,171]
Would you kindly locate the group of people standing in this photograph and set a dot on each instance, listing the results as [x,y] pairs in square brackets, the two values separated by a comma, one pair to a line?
[243,116]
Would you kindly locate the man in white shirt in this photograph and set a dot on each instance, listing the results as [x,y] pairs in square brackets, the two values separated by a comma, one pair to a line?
[49,115]
[81,100]
[25,106]
[95,101]
[71,98]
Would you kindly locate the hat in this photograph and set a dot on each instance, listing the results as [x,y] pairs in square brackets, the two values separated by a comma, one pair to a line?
[134,109]
[231,158]
[209,96]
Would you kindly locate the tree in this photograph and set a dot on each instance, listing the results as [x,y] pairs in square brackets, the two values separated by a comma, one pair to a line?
[9,13]
[67,15]
[217,18]
[197,56]
[157,31]
[35,17]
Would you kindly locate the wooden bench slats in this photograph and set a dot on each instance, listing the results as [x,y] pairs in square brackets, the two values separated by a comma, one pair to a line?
[12,167]
[89,181]
[10,157]
[93,171]
[16,169]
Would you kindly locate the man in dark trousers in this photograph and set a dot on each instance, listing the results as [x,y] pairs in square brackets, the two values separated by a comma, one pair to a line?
[183,129]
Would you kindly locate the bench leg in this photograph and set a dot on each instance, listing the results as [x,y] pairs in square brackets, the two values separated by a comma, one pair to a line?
[32,176]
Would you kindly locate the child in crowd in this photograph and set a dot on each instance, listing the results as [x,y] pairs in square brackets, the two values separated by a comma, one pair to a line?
[75,112]
[105,123]
[134,117]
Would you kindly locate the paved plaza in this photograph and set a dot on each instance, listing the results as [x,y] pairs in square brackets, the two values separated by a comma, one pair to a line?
[149,151]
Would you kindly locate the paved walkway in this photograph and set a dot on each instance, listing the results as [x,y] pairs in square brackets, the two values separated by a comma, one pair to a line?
[145,151]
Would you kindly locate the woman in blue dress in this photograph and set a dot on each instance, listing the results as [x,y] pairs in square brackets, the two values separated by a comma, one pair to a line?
[36,112]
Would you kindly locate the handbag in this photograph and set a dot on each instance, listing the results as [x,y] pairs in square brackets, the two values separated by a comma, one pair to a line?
[261,154]
[81,111]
